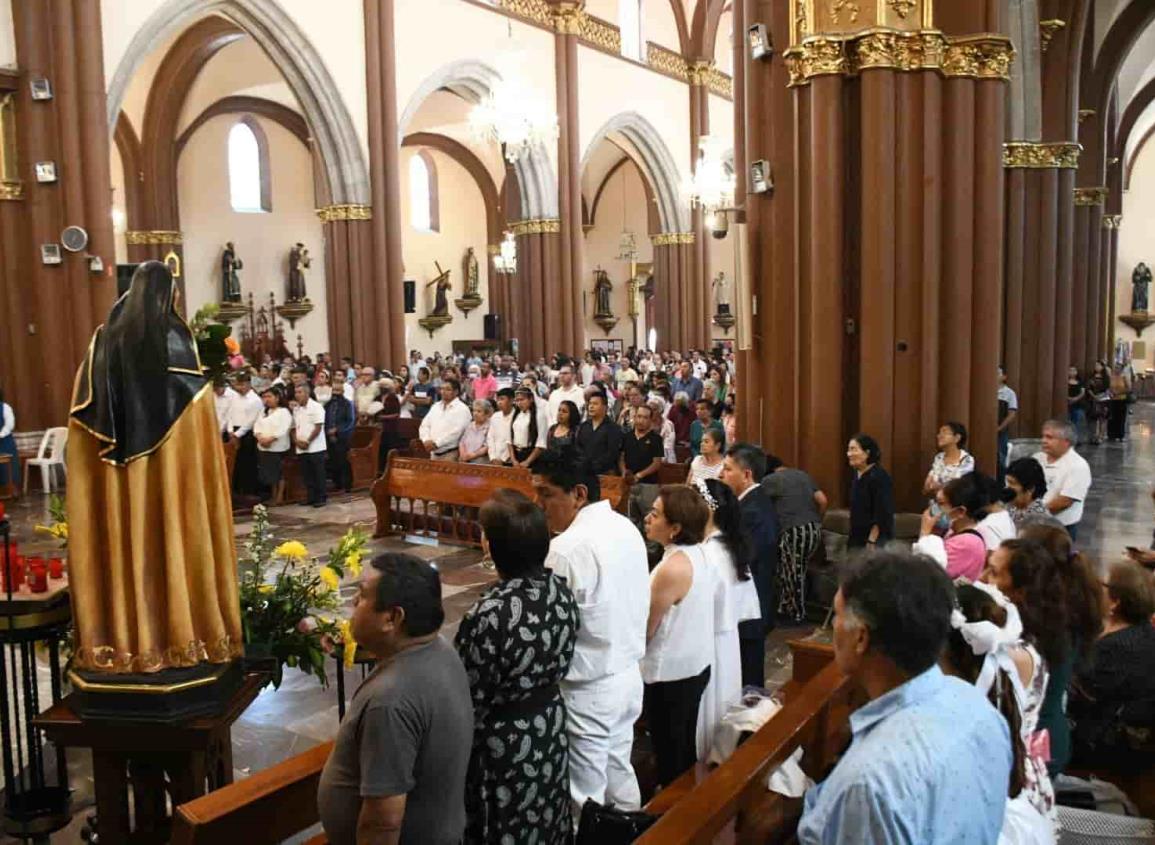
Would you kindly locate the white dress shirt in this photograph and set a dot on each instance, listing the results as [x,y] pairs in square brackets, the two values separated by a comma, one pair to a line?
[1069,476]
[305,418]
[575,394]
[603,558]
[9,421]
[519,429]
[224,402]
[276,423]
[444,424]
[243,412]
[499,436]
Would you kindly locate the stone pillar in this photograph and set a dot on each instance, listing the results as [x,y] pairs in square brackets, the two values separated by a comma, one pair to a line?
[59,305]
[877,259]
[564,323]
[697,280]
[348,232]
[539,243]
[1111,224]
[1090,298]
[380,298]
[675,318]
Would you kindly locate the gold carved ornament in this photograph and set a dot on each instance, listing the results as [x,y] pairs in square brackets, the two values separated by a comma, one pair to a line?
[902,8]
[837,7]
[345,211]
[11,188]
[1025,154]
[1112,221]
[667,62]
[599,33]
[549,226]
[153,238]
[537,11]
[1091,196]
[672,238]
[1048,30]
[567,19]
[1086,114]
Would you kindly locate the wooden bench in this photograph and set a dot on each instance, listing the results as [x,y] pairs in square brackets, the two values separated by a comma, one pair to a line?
[442,498]
[364,444]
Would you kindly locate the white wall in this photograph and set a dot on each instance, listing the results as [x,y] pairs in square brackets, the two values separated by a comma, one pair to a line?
[262,240]
[7,35]
[659,25]
[241,68]
[119,217]
[463,225]
[601,250]
[1135,245]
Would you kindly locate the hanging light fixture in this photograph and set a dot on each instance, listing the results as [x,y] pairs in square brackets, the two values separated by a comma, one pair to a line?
[628,242]
[506,260]
[713,183]
[511,114]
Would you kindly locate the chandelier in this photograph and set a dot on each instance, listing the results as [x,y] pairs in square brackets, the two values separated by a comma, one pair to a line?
[713,183]
[506,260]
[510,115]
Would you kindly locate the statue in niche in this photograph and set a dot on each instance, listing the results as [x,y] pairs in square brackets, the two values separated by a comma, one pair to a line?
[299,261]
[230,282]
[603,287]
[722,288]
[472,274]
[1140,280]
[441,292]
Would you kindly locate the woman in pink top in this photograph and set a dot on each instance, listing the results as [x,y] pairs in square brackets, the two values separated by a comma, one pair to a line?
[962,551]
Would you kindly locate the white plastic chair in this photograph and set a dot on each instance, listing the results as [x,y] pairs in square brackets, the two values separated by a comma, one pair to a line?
[49,456]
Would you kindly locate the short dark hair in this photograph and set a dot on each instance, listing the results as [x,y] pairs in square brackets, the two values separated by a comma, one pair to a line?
[408,582]
[905,600]
[870,446]
[507,392]
[1132,586]
[567,475]
[749,457]
[1029,473]
[516,531]
[454,383]
[959,430]
[968,492]
[773,463]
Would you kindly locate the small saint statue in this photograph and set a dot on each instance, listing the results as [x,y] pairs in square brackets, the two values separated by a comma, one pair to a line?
[1140,280]
[298,262]
[441,293]
[471,272]
[230,282]
[721,294]
[603,287]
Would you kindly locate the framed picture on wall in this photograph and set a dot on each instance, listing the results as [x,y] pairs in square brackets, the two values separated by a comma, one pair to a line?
[607,345]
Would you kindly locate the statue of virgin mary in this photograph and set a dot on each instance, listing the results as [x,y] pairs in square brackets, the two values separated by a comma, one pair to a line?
[152,553]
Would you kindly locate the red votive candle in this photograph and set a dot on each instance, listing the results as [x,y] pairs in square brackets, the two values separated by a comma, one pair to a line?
[38,579]
[56,568]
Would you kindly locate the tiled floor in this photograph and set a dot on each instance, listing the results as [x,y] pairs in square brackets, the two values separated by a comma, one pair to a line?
[301,713]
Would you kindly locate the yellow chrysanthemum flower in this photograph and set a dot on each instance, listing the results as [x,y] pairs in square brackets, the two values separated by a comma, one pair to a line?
[292,549]
[350,644]
[353,564]
[266,588]
[330,578]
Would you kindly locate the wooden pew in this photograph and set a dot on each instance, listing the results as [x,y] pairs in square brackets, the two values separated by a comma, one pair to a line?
[269,806]
[364,446]
[441,498]
[731,803]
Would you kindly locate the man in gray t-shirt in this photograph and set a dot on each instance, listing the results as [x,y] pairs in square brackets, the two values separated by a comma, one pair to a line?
[398,765]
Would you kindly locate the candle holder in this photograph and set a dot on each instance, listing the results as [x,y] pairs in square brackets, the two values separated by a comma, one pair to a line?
[37,800]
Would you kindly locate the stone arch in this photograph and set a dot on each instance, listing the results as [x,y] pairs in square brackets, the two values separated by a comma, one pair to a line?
[294,56]
[657,165]
[472,80]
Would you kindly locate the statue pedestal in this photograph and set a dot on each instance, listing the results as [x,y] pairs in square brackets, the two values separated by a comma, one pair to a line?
[293,311]
[433,322]
[724,319]
[606,321]
[230,312]
[468,302]
[1138,320]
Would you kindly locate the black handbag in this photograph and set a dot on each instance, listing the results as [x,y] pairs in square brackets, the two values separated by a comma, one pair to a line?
[601,825]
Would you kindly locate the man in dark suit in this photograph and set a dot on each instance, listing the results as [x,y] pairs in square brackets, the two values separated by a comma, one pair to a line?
[742,472]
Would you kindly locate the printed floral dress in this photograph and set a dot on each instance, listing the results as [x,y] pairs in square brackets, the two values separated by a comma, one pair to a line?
[516,644]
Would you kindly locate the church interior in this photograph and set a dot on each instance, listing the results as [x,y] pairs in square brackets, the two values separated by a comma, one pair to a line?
[820,243]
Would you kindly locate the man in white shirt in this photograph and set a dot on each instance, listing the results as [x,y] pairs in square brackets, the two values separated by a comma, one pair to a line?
[224,400]
[603,559]
[699,365]
[587,369]
[243,411]
[443,425]
[309,438]
[1068,474]
[567,389]
[501,428]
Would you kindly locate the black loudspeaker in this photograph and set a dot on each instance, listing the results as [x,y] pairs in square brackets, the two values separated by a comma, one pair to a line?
[492,326]
[124,277]
[410,296]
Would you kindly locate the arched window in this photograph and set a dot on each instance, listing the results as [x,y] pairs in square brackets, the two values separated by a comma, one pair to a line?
[424,211]
[249,187]
[630,24]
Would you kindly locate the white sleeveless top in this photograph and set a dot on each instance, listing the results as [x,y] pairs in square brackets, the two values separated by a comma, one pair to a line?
[683,646]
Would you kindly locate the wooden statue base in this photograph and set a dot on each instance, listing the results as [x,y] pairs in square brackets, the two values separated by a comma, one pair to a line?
[724,319]
[229,312]
[293,311]
[181,760]
[468,303]
[1138,320]
[173,695]
[433,322]
[606,321]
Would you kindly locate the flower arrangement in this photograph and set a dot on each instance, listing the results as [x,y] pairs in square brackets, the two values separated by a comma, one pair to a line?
[58,515]
[288,598]
[219,352]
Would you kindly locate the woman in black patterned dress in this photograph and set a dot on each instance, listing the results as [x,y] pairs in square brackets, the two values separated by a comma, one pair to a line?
[516,643]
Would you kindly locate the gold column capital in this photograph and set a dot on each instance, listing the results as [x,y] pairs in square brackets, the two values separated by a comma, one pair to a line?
[849,17]
[699,72]
[1112,221]
[1086,114]
[544,226]
[344,211]
[567,18]
[672,238]
[1091,196]
[11,190]
[1039,156]
[1048,29]
[153,237]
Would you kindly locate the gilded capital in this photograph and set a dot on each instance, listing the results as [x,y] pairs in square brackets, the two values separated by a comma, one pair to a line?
[1091,196]
[153,237]
[344,211]
[1112,221]
[672,238]
[1086,114]
[699,72]
[1047,30]
[11,190]
[567,18]
[849,17]
[547,226]
[1026,154]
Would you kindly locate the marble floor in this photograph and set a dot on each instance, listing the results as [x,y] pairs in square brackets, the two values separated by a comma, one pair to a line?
[302,713]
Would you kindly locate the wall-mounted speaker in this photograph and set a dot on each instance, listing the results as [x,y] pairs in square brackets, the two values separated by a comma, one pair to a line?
[493,327]
[410,296]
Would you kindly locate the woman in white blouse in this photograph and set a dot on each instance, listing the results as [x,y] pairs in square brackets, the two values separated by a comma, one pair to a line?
[952,461]
[658,406]
[272,433]
[708,462]
[9,473]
